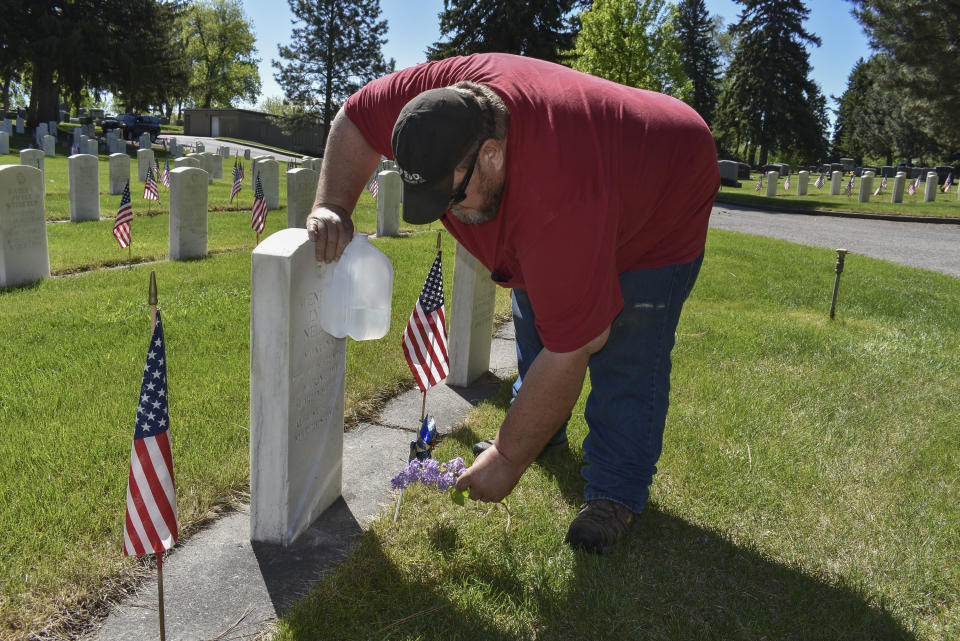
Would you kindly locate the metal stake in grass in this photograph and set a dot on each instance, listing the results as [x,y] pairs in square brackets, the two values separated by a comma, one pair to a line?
[841,253]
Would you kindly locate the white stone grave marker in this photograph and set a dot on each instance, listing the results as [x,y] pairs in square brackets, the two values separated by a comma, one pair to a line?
[23,229]
[803,180]
[297,376]
[471,320]
[269,172]
[301,192]
[84,178]
[188,213]
[930,191]
[145,142]
[33,158]
[246,154]
[898,185]
[119,172]
[144,162]
[187,161]
[836,178]
[49,146]
[389,187]
[772,178]
[4,142]
[866,186]
[92,147]
[19,125]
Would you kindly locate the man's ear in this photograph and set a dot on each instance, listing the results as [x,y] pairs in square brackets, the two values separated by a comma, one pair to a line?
[493,154]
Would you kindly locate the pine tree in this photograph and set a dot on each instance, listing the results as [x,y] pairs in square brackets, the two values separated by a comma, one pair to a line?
[921,37]
[699,55]
[770,102]
[535,28]
[336,50]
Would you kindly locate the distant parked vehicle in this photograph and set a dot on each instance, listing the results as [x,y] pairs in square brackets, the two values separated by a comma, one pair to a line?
[133,125]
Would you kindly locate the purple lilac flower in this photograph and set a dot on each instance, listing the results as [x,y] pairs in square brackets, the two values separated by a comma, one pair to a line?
[430,471]
[455,466]
[446,481]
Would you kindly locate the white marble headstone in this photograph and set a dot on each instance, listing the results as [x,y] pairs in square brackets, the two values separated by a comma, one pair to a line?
[898,184]
[49,146]
[4,142]
[389,187]
[772,178]
[471,320]
[144,162]
[188,161]
[119,173]
[91,148]
[866,186]
[269,171]
[930,191]
[145,141]
[32,158]
[246,154]
[803,180]
[301,192]
[19,125]
[23,229]
[836,180]
[188,213]
[84,187]
[296,391]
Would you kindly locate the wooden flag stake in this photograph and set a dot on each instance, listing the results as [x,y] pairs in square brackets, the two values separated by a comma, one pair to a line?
[152,302]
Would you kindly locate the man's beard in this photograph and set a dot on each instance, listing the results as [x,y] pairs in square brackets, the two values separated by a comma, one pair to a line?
[486,211]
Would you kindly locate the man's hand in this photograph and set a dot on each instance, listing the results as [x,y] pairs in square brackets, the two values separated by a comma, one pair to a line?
[491,477]
[331,229]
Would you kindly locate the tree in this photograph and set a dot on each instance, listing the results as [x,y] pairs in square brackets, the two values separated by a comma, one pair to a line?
[921,38]
[770,102]
[221,47]
[336,50]
[699,55]
[535,28]
[632,42]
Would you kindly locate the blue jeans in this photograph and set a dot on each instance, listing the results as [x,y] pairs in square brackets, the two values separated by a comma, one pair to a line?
[630,377]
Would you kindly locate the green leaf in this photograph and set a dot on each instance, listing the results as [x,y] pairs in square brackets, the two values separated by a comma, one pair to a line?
[458,496]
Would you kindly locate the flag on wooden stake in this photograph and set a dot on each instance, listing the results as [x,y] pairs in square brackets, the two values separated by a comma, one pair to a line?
[150,190]
[425,337]
[121,224]
[259,218]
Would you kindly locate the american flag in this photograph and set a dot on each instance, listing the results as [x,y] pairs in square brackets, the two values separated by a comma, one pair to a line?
[150,190]
[165,174]
[372,185]
[759,184]
[240,163]
[121,224]
[74,150]
[849,190]
[820,181]
[290,165]
[237,179]
[425,337]
[151,515]
[259,218]
[946,185]
[786,183]
[883,185]
[912,187]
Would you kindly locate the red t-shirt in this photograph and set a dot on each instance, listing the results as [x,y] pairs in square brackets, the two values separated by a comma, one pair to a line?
[601,179]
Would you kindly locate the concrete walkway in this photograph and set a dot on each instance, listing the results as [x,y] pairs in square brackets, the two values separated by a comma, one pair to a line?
[217,585]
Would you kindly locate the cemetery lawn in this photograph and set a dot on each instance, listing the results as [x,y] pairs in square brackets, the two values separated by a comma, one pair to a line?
[73,351]
[808,487]
[945,206]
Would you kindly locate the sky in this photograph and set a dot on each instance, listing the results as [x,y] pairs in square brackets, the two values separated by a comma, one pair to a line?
[413,26]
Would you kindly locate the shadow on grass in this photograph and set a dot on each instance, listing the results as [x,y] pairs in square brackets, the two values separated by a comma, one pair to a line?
[669,580]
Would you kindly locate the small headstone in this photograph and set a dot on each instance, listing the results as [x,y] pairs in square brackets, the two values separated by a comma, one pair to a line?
[297,374]
[145,142]
[187,161]
[224,151]
[216,164]
[269,172]
[898,185]
[52,128]
[803,179]
[729,170]
[743,171]
[6,126]
[246,154]
[199,148]
[866,186]
[40,132]
[91,148]
[188,213]
[389,187]
[836,183]
[119,172]
[772,178]
[471,320]
[33,158]
[23,229]
[930,191]
[19,125]
[84,178]
[887,172]
[144,162]
[4,142]
[49,146]
[847,164]
[301,192]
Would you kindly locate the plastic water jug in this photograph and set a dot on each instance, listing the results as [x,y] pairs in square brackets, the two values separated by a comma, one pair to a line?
[357,292]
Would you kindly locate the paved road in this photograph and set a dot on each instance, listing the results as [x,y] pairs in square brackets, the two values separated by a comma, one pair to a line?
[212,144]
[927,245]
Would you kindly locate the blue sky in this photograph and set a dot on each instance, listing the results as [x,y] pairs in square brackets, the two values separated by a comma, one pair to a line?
[413,25]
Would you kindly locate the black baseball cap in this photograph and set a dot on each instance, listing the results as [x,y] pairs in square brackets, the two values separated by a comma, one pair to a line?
[433,133]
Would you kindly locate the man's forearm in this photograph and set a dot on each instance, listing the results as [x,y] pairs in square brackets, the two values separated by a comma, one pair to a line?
[348,162]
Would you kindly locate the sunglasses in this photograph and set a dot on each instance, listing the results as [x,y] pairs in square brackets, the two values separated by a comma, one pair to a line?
[460,193]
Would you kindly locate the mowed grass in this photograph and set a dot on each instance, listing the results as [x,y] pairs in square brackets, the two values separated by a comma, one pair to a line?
[808,487]
[73,351]
[946,204]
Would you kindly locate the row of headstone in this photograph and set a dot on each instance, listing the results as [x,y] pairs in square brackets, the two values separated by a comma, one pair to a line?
[297,374]
[308,162]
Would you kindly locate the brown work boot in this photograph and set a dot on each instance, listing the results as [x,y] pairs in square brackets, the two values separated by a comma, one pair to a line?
[599,525]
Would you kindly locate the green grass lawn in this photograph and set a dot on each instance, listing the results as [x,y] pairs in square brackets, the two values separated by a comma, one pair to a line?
[946,205]
[808,487]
